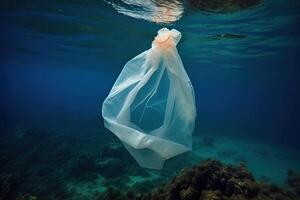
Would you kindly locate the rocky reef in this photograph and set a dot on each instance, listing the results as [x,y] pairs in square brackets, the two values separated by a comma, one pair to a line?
[39,164]
[212,180]
[293,181]
[51,165]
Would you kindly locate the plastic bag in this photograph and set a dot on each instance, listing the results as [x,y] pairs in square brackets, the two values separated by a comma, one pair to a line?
[151,107]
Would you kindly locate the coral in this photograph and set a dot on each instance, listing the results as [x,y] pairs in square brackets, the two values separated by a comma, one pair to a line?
[212,180]
[210,195]
[189,193]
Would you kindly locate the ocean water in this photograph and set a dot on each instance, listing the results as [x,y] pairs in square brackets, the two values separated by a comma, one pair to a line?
[59,60]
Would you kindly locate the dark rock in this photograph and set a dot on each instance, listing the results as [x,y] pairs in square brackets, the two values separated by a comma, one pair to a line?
[114,150]
[130,195]
[112,168]
[223,6]
[214,181]
[189,193]
[84,169]
[113,194]
[210,195]
[293,180]
[211,180]
[8,184]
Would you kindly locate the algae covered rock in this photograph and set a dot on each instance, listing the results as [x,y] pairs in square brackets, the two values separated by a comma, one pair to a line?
[210,195]
[213,180]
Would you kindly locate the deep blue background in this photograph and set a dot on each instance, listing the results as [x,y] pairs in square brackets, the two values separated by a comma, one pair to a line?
[60,59]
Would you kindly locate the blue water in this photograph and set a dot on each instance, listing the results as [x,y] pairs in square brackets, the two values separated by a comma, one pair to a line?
[59,59]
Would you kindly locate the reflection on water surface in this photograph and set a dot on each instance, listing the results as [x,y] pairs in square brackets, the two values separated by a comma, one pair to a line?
[158,11]
[168,11]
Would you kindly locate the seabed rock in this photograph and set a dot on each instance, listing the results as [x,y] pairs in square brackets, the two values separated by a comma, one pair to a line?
[294,181]
[212,180]
[42,165]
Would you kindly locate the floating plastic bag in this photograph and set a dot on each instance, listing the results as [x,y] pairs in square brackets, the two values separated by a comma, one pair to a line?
[151,107]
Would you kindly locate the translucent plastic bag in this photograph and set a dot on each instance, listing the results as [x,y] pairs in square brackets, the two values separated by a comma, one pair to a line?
[151,107]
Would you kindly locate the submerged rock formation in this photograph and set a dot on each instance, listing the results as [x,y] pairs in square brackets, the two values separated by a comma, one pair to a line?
[38,164]
[294,181]
[213,181]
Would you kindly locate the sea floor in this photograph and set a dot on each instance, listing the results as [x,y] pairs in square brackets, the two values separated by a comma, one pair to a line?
[49,165]
[266,162]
